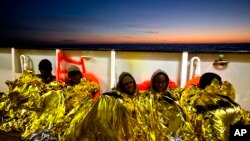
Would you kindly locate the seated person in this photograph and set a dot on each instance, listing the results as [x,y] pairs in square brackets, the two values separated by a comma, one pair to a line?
[127,84]
[168,113]
[45,68]
[210,108]
[159,84]
[126,87]
[207,78]
[74,75]
[113,116]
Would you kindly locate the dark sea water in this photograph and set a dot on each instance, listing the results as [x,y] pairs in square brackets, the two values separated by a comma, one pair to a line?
[231,47]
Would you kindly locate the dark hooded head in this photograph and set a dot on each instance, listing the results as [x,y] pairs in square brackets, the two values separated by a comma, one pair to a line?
[159,81]
[74,75]
[126,83]
[45,68]
[207,78]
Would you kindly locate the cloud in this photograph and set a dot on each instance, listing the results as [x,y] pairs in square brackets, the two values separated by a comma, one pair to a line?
[165,40]
[151,32]
[128,37]
[139,26]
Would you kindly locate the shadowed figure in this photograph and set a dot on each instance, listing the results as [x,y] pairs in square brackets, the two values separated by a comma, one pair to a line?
[45,68]
[210,108]
[74,75]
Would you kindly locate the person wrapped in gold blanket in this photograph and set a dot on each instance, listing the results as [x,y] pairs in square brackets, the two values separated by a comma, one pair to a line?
[113,117]
[32,107]
[169,120]
[211,108]
[125,114]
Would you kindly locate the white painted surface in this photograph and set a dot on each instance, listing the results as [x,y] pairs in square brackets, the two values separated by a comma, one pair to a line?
[99,65]
[113,70]
[13,65]
[143,64]
[36,56]
[5,68]
[237,73]
[195,67]
[184,64]
[140,64]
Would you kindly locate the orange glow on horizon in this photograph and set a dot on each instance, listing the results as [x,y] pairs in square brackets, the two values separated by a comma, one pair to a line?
[232,37]
[167,39]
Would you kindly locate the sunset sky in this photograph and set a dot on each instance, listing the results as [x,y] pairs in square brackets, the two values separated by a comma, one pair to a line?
[125,21]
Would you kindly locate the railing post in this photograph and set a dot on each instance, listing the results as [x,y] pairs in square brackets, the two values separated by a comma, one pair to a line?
[184,64]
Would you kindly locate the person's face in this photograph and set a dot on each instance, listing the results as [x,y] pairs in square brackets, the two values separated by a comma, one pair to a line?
[75,77]
[45,73]
[160,83]
[129,87]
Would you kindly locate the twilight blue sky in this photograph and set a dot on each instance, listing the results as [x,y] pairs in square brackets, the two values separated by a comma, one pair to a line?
[124,21]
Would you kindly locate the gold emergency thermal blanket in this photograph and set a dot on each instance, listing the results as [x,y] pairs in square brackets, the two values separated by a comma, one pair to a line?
[117,116]
[212,110]
[31,105]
